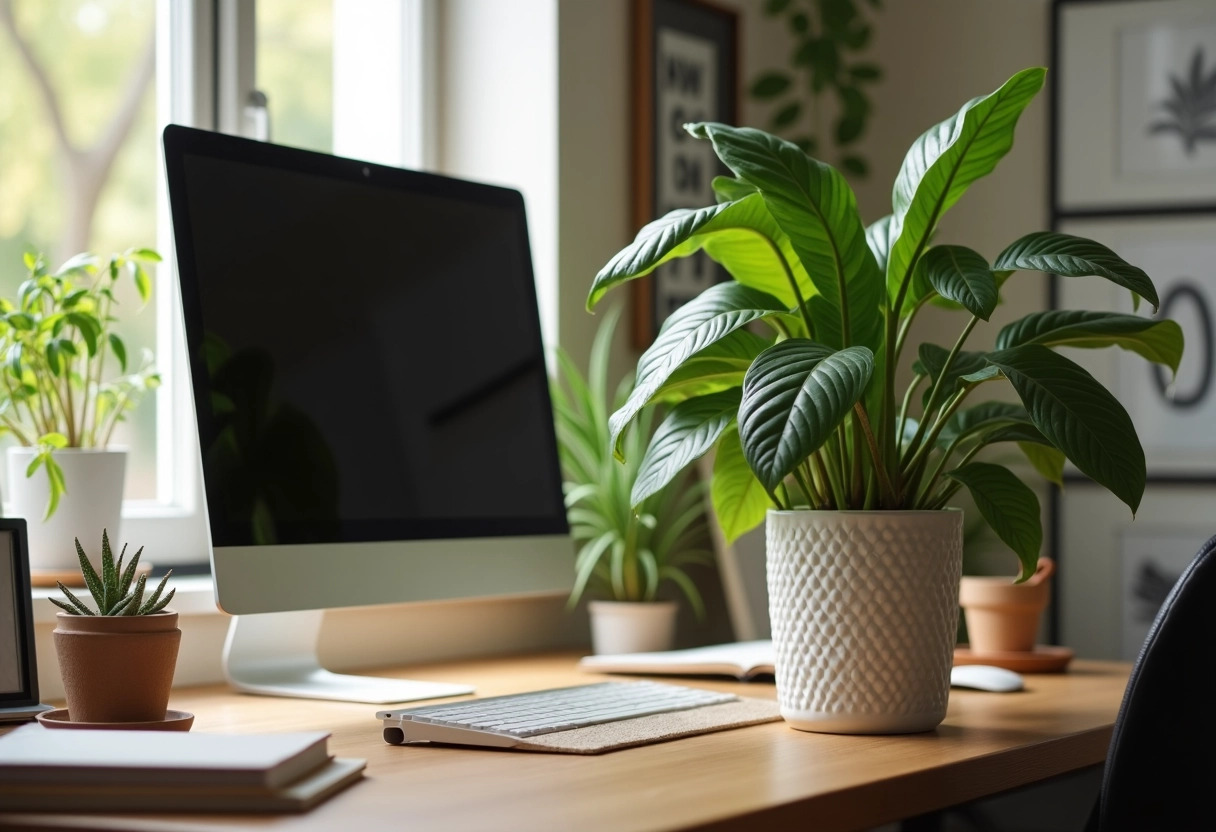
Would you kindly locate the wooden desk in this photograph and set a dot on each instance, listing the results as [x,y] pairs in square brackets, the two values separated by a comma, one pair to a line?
[761,777]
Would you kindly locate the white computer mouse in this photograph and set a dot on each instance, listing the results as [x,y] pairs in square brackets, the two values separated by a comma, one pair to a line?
[985,677]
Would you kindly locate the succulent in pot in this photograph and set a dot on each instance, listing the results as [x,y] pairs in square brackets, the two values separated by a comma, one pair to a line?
[117,657]
[788,373]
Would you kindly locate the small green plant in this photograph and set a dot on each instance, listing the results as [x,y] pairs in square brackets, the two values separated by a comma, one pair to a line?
[789,371]
[111,590]
[57,348]
[625,552]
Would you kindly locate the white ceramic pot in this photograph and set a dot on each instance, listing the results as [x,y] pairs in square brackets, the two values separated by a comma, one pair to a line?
[628,627]
[94,481]
[864,612]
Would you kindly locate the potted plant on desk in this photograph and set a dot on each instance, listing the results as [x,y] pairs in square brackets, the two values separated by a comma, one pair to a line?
[117,657]
[856,481]
[61,399]
[628,549]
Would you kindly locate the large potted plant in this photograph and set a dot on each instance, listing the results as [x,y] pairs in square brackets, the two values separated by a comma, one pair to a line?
[855,479]
[65,384]
[626,552]
[117,657]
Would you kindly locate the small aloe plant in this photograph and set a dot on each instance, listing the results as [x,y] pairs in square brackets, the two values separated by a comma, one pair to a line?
[111,590]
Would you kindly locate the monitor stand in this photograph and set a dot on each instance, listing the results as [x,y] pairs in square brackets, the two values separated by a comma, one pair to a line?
[275,654]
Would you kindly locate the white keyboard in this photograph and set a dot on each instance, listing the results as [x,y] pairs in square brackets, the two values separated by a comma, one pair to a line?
[503,721]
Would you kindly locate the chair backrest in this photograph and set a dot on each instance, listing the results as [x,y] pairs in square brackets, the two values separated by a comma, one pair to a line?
[1161,767]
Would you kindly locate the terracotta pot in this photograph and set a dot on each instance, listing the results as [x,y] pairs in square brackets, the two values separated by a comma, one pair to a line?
[1001,616]
[117,668]
[864,612]
[628,627]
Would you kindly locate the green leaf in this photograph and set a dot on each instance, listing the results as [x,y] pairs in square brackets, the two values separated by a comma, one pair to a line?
[795,394]
[855,165]
[962,275]
[729,189]
[1010,507]
[878,238]
[1157,341]
[1079,416]
[740,235]
[89,328]
[690,429]
[120,350]
[718,367]
[945,160]
[708,318]
[815,207]
[143,283]
[980,419]
[770,85]
[1046,459]
[53,439]
[740,501]
[54,475]
[146,254]
[933,361]
[865,72]
[91,579]
[787,115]
[1069,256]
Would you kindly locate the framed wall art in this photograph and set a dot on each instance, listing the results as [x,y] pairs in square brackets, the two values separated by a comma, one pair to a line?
[1135,104]
[1118,571]
[1174,417]
[685,69]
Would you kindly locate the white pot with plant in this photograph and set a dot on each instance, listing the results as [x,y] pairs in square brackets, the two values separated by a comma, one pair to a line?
[627,550]
[64,387]
[789,373]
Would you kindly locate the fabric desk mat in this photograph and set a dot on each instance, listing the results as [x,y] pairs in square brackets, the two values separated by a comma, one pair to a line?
[644,730]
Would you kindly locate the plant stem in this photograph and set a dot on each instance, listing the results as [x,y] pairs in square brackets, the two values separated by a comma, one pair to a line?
[879,470]
[789,275]
[825,471]
[937,390]
[916,466]
[903,410]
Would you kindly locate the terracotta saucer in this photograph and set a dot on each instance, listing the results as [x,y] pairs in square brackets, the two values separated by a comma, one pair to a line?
[173,721]
[1042,659]
[72,577]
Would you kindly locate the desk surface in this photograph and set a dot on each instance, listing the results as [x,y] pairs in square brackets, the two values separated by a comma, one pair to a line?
[764,774]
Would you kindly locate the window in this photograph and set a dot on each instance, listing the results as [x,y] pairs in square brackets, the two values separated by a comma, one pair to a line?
[87,86]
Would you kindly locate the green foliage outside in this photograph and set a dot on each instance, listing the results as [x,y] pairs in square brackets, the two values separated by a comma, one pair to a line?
[806,415]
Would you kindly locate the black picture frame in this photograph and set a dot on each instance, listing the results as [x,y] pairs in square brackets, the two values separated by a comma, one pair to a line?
[685,69]
[18,664]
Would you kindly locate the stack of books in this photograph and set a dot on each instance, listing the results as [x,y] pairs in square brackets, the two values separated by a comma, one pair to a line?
[126,771]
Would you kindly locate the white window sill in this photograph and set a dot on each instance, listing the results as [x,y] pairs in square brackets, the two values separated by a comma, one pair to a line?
[195,596]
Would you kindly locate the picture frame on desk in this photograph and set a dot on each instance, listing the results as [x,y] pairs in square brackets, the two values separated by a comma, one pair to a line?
[685,69]
[1173,416]
[18,668]
[1133,127]
[1114,572]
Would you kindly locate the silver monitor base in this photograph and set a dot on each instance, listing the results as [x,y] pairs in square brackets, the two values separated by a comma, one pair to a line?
[275,654]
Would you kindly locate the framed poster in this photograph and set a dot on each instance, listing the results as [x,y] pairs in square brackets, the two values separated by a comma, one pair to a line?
[685,65]
[1174,417]
[18,672]
[1116,571]
[1134,85]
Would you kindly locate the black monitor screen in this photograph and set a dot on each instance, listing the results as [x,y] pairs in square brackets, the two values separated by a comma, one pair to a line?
[365,348]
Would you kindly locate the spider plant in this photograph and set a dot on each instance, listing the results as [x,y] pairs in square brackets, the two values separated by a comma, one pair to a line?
[626,551]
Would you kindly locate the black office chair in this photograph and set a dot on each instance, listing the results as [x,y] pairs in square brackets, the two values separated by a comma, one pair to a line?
[1161,767]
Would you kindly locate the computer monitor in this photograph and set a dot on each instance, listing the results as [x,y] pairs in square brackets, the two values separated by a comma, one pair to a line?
[371,395]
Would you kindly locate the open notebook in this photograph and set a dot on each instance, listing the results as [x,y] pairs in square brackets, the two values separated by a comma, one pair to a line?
[743,660]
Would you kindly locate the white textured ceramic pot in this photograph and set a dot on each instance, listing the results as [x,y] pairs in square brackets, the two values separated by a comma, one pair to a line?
[864,611]
[94,479]
[628,627]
